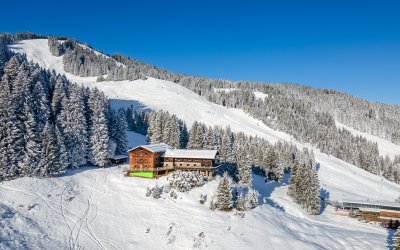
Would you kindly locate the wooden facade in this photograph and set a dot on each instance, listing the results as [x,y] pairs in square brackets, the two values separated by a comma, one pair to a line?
[143,159]
[205,166]
[389,219]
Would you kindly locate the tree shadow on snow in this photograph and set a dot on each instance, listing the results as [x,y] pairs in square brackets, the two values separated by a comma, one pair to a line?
[324,194]
[266,188]
[389,238]
[117,103]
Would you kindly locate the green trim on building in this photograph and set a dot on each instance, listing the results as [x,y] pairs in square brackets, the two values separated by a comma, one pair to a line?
[145,174]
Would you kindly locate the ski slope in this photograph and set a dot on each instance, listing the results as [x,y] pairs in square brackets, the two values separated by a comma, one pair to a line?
[386,147]
[126,207]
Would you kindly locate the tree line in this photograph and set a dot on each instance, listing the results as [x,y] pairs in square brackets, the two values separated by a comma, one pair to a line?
[48,124]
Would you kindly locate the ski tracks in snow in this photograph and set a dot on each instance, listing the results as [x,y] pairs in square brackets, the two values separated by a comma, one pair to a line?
[79,224]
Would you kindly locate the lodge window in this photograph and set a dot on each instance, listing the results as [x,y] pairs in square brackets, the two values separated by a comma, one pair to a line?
[187,164]
[180,164]
[140,159]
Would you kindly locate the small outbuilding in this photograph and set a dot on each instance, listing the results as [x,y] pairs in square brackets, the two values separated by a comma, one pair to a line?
[119,159]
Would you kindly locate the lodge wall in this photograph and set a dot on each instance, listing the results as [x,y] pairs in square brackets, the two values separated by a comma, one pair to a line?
[143,159]
[188,162]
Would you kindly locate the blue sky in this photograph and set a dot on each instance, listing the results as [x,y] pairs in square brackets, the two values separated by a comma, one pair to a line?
[350,45]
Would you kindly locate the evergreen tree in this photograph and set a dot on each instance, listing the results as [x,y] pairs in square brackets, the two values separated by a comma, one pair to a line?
[62,150]
[7,170]
[40,105]
[50,155]
[209,139]
[196,136]
[241,204]
[224,193]
[243,166]
[252,198]
[100,140]
[226,148]
[33,147]
[73,122]
[270,159]
[294,179]
[120,136]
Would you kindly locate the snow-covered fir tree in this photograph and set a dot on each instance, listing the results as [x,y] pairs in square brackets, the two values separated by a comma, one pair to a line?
[50,164]
[251,199]
[224,193]
[196,136]
[119,135]
[243,166]
[304,185]
[100,140]
[241,204]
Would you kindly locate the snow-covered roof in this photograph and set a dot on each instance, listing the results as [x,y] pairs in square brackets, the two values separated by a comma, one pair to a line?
[374,203]
[155,148]
[119,157]
[196,154]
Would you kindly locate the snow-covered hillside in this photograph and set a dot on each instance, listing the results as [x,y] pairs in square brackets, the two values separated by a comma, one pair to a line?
[341,179]
[385,147]
[110,209]
[95,208]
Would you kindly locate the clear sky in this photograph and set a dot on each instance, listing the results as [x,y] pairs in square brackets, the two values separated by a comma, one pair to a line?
[348,45]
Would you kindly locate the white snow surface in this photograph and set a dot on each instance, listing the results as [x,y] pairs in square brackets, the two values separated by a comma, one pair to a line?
[260,95]
[257,94]
[386,147]
[111,211]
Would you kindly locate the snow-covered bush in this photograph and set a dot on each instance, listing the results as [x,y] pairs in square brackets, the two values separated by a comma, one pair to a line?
[173,194]
[185,181]
[203,198]
[166,188]
[148,192]
[156,192]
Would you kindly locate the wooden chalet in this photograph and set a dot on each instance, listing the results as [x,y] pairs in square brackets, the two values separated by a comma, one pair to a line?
[159,159]
[145,161]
